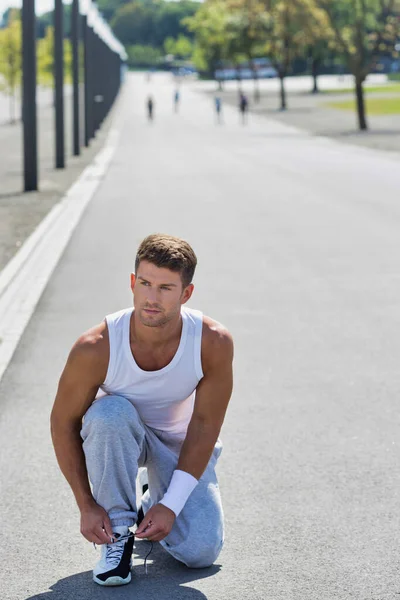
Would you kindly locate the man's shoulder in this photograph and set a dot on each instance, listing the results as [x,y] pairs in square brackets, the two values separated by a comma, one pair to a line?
[217,342]
[93,344]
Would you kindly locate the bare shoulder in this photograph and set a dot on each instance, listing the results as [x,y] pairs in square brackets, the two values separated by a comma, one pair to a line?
[217,343]
[92,348]
[84,372]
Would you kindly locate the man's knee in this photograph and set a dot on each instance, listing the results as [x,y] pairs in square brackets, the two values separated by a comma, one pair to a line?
[110,413]
[200,556]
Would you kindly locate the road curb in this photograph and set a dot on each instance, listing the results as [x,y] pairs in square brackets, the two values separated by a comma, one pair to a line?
[25,277]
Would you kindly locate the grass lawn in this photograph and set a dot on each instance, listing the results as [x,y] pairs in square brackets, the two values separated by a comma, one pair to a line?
[384,88]
[374,106]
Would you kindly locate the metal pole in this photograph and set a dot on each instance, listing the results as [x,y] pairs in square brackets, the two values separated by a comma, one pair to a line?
[59,82]
[75,20]
[29,95]
[86,78]
[91,75]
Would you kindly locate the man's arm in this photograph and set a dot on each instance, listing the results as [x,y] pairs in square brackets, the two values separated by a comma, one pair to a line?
[84,372]
[212,397]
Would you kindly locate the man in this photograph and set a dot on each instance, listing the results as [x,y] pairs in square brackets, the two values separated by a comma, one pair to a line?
[243,106]
[177,97]
[151,384]
[150,108]
[218,108]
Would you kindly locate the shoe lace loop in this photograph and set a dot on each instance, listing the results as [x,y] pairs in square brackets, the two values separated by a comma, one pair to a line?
[115,549]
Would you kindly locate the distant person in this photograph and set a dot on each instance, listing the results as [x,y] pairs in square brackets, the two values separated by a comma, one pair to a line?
[150,108]
[243,106]
[218,108]
[177,98]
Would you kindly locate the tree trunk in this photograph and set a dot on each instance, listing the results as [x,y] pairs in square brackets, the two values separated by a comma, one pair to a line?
[283,92]
[362,121]
[315,65]
[256,88]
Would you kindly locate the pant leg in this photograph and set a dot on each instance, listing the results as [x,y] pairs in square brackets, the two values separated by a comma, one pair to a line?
[114,445]
[197,536]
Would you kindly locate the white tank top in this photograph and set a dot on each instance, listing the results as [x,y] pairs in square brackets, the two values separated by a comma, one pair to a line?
[164,399]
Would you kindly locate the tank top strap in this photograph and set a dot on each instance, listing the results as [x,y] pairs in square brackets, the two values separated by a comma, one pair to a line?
[116,324]
[195,318]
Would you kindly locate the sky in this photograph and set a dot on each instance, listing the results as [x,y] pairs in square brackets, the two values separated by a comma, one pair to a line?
[41,5]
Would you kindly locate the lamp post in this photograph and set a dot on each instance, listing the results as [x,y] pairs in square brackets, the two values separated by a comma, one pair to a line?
[59,82]
[75,36]
[29,95]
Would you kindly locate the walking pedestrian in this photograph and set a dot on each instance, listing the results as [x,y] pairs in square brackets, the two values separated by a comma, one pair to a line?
[243,106]
[147,387]
[177,97]
[150,108]
[218,108]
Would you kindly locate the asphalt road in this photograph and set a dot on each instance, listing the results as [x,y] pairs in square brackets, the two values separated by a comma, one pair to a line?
[298,246]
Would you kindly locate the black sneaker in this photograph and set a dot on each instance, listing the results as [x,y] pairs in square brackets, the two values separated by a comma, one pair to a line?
[114,567]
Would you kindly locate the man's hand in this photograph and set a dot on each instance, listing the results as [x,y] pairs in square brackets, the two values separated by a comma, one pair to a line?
[95,524]
[157,523]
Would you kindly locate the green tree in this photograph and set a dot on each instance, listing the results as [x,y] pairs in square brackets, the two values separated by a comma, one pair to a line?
[293,26]
[9,15]
[45,59]
[248,24]
[133,24]
[108,8]
[317,53]
[314,38]
[180,48]
[169,20]
[361,30]
[151,22]
[10,59]
[47,19]
[283,39]
[213,39]
[140,56]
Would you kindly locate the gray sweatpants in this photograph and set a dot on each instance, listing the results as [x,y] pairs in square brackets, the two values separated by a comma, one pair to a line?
[116,443]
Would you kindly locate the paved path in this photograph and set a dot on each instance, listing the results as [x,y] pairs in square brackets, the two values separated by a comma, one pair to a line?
[313,113]
[298,246]
[21,213]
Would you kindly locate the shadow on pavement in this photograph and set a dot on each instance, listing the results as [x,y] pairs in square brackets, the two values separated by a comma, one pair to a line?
[289,111]
[166,579]
[368,132]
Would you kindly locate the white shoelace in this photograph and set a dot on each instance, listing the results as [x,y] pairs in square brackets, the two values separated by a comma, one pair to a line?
[115,550]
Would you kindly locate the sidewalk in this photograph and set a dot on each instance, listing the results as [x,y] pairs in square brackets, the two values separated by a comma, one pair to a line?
[20,213]
[311,113]
[297,242]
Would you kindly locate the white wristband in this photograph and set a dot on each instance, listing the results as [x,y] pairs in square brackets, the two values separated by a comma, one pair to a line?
[181,486]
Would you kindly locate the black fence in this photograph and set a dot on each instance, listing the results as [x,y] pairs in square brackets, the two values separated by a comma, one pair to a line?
[97,61]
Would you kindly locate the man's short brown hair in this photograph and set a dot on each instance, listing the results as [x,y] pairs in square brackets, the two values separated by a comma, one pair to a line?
[169,252]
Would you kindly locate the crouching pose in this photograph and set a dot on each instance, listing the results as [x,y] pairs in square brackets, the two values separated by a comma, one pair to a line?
[147,387]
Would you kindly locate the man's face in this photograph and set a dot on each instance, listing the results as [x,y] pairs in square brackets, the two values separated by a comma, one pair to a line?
[158,294]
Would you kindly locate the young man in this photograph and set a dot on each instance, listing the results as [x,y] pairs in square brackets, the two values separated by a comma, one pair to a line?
[151,384]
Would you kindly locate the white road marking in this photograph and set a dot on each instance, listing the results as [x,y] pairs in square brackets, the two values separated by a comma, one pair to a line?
[25,277]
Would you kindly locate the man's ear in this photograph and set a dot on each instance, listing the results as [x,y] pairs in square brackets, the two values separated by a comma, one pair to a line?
[133,280]
[187,292]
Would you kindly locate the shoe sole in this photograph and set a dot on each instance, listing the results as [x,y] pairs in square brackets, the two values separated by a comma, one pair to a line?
[113,580]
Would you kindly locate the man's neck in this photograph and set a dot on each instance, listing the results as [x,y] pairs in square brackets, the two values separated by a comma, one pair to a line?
[155,336]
